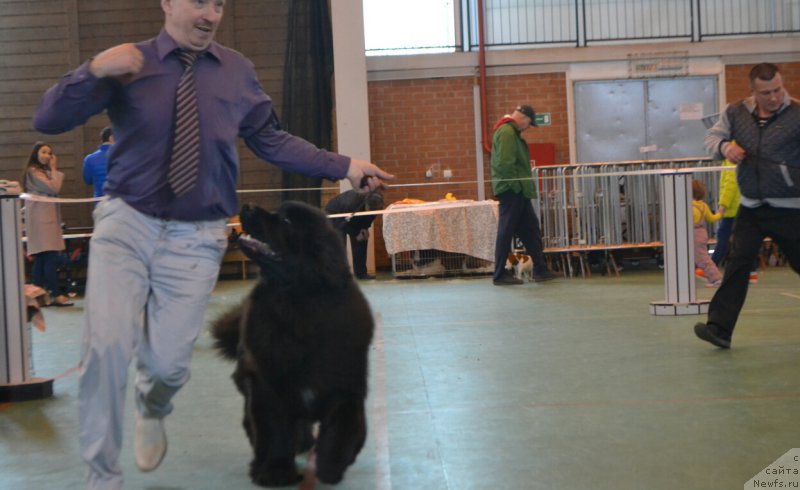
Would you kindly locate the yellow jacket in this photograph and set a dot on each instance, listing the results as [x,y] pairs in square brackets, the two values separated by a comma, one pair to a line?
[701,210]
[729,191]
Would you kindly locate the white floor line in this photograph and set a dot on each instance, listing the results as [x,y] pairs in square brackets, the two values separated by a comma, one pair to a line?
[379,425]
[795,296]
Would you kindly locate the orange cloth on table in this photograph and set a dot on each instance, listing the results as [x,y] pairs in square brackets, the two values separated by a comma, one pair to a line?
[409,200]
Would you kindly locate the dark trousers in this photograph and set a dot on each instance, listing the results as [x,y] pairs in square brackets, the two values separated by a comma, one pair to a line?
[724,232]
[723,238]
[517,217]
[45,272]
[752,226]
[359,250]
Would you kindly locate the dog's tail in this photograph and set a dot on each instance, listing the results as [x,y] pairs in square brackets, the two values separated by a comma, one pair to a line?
[225,331]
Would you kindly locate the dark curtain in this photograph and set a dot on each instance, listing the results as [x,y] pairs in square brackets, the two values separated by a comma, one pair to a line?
[307,97]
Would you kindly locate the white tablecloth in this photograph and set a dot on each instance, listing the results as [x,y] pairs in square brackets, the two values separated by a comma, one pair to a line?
[464,226]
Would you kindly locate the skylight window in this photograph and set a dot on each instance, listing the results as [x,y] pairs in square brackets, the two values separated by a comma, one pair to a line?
[409,27]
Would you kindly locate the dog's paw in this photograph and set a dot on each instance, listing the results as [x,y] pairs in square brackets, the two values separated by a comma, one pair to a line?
[274,476]
[331,467]
[329,476]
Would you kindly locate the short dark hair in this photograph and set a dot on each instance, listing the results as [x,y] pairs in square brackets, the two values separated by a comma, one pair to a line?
[105,134]
[763,71]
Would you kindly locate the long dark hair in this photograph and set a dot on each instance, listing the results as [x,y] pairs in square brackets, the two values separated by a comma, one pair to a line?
[33,161]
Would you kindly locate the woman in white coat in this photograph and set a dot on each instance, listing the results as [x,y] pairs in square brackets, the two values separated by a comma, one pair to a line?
[43,220]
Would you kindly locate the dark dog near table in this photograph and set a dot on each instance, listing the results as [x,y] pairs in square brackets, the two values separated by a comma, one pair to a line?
[300,341]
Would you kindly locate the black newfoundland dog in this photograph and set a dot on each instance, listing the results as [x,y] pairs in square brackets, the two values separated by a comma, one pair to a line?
[300,341]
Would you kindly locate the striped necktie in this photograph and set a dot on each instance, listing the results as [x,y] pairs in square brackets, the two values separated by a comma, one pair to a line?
[183,166]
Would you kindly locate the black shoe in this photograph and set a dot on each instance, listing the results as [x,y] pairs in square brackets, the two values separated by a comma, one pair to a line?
[709,334]
[507,280]
[544,276]
[365,277]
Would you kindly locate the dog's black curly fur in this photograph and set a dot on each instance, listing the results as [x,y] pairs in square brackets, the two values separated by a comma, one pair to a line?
[301,343]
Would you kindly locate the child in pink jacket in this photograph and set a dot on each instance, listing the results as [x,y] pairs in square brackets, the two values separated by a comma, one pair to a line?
[701,215]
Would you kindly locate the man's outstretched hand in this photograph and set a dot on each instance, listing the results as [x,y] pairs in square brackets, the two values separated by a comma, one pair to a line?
[365,176]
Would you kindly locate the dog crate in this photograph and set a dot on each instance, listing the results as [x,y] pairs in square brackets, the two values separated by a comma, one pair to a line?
[437,263]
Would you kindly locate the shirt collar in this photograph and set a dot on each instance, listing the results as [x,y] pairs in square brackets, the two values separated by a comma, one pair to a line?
[166,45]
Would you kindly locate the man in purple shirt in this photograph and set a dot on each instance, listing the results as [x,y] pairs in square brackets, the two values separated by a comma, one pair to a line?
[155,256]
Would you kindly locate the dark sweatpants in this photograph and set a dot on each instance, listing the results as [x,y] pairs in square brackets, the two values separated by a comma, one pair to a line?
[517,217]
[358,249]
[751,227]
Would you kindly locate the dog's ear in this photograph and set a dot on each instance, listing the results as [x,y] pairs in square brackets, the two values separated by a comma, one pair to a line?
[256,220]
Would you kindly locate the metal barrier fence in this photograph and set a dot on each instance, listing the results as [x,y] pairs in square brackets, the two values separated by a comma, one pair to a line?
[747,17]
[583,208]
[608,205]
[581,22]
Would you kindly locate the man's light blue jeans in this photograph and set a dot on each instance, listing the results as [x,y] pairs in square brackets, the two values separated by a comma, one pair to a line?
[148,286]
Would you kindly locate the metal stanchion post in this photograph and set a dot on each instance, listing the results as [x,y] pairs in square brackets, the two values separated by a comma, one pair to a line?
[676,218]
[16,381]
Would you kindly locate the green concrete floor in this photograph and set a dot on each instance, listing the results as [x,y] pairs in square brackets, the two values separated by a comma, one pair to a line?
[564,385]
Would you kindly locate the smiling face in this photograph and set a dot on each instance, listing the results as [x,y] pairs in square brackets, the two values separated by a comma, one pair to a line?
[192,23]
[44,154]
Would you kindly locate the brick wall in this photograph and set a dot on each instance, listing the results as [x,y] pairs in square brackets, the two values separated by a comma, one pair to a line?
[416,125]
[737,84]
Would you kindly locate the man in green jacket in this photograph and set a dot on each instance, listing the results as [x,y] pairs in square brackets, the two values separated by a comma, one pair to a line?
[513,186]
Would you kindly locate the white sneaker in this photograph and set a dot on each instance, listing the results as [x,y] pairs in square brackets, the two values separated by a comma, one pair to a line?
[149,442]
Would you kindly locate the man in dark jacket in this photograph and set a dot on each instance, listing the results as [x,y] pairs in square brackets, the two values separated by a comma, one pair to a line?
[357,227]
[761,135]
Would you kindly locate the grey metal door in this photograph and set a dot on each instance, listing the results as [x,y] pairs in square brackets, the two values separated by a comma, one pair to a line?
[622,120]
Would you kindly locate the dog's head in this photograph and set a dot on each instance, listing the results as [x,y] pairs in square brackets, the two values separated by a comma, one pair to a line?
[512,260]
[518,260]
[294,245]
